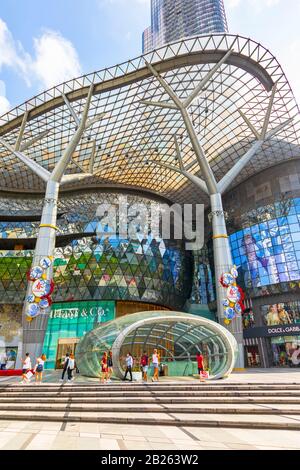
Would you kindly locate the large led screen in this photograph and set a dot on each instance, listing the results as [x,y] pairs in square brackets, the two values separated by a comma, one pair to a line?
[269,252]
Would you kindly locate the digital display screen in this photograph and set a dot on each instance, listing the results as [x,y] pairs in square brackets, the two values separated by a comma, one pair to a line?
[269,252]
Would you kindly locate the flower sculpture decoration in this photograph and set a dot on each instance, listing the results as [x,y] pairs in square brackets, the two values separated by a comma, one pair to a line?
[41,289]
[234,302]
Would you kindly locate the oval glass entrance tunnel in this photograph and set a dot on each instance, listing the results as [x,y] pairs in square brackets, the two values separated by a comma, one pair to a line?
[177,336]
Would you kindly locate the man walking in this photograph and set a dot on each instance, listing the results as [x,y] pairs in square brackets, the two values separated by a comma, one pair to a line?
[129,365]
[65,366]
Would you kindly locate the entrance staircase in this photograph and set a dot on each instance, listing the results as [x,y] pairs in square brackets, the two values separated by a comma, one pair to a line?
[259,405]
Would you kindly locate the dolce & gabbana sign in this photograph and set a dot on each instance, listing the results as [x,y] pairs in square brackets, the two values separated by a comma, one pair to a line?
[293,329]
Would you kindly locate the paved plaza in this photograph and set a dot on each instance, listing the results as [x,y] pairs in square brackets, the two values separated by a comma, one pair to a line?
[270,397]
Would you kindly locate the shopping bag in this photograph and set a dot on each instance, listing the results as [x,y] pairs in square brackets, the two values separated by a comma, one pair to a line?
[204,374]
[29,374]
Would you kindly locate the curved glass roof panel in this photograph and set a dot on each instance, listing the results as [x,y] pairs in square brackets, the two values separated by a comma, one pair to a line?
[121,150]
[177,336]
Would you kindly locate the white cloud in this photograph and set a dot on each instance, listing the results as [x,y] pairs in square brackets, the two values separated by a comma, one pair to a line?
[56,59]
[4,103]
[12,53]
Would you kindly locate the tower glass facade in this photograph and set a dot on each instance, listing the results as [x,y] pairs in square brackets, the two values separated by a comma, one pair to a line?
[177,19]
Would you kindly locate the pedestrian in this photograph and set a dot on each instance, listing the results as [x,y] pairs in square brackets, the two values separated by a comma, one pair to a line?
[65,366]
[104,368]
[39,368]
[145,365]
[155,364]
[3,361]
[71,367]
[129,365]
[200,362]
[109,366]
[26,368]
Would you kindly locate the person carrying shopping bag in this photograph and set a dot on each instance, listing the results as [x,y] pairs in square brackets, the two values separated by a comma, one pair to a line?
[71,367]
[26,371]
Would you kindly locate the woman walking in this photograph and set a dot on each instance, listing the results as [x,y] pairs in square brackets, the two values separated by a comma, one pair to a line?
[104,368]
[129,365]
[109,366]
[200,362]
[155,364]
[145,365]
[26,368]
[39,367]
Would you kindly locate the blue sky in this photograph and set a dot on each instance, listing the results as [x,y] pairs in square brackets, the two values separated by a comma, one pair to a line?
[45,42]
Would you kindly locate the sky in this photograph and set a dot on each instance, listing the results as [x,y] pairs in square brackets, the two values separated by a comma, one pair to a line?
[43,43]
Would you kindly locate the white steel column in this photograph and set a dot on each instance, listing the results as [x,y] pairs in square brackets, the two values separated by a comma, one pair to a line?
[223,263]
[34,331]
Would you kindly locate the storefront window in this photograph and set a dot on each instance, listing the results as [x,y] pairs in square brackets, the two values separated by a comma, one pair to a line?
[68,322]
[248,318]
[285,351]
[252,356]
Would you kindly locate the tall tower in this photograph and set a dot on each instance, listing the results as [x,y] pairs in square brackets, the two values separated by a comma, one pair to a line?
[176,19]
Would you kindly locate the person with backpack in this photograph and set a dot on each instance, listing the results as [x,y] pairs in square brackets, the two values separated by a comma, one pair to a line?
[65,366]
[39,368]
[145,365]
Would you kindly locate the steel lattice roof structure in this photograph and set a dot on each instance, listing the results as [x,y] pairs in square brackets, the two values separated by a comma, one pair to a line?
[121,150]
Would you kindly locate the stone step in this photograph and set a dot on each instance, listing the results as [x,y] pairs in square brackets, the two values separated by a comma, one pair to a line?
[248,421]
[204,392]
[142,387]
[155,399]
[155,408]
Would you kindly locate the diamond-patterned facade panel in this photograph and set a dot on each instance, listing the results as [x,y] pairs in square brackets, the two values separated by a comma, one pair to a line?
[89,266]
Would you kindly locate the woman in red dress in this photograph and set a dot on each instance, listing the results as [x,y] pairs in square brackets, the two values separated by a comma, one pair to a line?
[200,362]
[104,368]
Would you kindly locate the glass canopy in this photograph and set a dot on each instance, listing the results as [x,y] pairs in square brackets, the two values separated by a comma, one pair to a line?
[177,336]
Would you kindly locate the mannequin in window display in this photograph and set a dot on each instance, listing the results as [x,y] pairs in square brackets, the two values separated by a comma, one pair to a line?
[272,316]
[248,318]
[283,315]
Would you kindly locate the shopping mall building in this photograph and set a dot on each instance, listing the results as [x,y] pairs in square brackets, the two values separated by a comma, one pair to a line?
[122,138]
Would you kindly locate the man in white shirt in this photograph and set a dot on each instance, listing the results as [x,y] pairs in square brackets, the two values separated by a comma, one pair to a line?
[26,368]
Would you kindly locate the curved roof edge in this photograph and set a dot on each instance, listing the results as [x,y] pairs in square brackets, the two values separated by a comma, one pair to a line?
[211,49]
